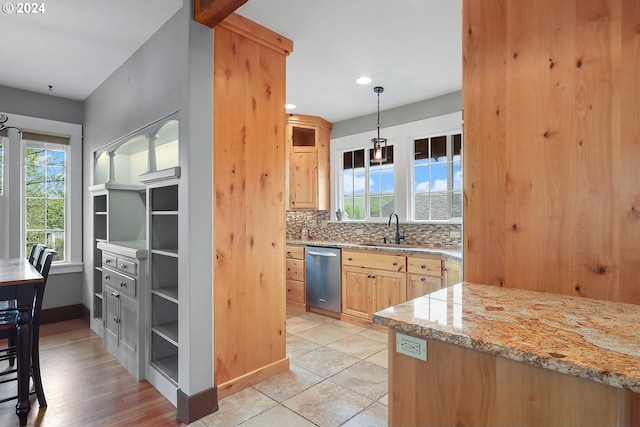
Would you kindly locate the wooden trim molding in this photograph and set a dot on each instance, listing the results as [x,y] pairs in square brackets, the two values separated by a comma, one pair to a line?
[194,407]
[252,378]
[257,33]
[211,12]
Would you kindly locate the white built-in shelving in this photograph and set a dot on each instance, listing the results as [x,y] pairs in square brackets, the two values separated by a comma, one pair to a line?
[163,244]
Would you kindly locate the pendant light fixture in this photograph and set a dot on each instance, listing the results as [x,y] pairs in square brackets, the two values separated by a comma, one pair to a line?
[379,144]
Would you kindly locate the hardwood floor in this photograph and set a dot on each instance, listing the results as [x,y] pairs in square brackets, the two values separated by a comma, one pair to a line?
[85,386]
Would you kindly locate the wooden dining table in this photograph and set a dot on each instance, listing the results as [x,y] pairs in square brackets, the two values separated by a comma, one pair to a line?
[19,281]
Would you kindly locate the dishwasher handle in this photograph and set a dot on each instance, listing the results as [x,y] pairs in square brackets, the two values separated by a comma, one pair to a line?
[327,254]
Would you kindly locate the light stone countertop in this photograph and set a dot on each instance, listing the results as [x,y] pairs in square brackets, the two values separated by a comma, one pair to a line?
[588,338]
[453,254]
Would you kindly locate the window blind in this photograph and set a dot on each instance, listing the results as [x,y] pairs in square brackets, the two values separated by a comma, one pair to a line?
[45,137]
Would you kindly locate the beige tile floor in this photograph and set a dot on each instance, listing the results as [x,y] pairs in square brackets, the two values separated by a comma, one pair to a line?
[337,377]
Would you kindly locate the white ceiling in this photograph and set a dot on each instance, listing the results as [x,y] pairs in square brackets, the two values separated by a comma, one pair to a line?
[413,48]
[410,47]
[75,44]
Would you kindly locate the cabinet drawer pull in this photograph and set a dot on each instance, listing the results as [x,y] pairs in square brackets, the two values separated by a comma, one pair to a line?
[395,263]
[423,266]
[123,266]
[444,268]
[122,283]
[115,294]
[107,261]
[107,277]
[422,279]
[350,259]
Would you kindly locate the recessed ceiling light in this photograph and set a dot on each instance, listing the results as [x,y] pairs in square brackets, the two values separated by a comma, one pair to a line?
[290,106]
[364,80]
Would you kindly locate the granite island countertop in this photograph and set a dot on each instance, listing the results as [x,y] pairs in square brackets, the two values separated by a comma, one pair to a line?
[591,339]
[454,254]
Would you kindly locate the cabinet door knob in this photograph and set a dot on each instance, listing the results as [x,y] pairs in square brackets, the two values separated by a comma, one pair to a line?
[107,277]
[116,319]
[422,279]
[107,261]
[444,268]
[122,283]
[423,266]
[124,266]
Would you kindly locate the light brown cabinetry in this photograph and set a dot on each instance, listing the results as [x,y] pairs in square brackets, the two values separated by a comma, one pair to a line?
[452,272]
[424,276]
[308,162]
[371,282]
[418,285]
[374,281]
[295,274]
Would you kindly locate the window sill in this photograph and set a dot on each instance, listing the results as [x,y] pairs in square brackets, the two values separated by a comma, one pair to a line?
[66,267]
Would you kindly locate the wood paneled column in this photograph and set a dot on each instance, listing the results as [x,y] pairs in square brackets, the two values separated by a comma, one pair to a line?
[249,204]
[551,100]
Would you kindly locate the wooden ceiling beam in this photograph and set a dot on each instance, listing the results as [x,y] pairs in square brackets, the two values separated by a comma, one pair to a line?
[211,12]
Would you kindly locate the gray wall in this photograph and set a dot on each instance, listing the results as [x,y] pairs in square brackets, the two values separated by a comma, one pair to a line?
[172,71]
[146,87]
[44,106]
[438,106]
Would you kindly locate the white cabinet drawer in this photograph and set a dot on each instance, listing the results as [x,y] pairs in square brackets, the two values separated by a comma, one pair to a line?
[125,284]
[127,266]
[109,260]
[119,263]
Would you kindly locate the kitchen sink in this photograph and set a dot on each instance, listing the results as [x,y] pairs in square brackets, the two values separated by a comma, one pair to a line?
[386,245]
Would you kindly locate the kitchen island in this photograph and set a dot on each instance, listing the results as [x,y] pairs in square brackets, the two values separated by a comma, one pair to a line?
[508,357]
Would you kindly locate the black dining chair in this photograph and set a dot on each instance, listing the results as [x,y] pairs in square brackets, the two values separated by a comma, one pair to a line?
[8,331]
[37,250]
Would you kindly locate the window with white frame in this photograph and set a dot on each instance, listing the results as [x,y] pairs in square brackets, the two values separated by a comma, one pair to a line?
[367,184]
[437,178]
[421,181]
[45,192]
[42,190]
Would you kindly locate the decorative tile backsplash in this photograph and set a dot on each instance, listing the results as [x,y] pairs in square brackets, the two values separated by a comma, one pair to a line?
[319,227]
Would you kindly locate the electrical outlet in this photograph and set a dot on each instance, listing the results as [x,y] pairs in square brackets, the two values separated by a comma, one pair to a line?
[411,346]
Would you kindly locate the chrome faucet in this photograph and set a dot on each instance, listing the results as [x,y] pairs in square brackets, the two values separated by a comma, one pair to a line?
[398,237]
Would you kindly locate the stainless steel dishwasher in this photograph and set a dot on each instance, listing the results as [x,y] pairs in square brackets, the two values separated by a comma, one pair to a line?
[323,277]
